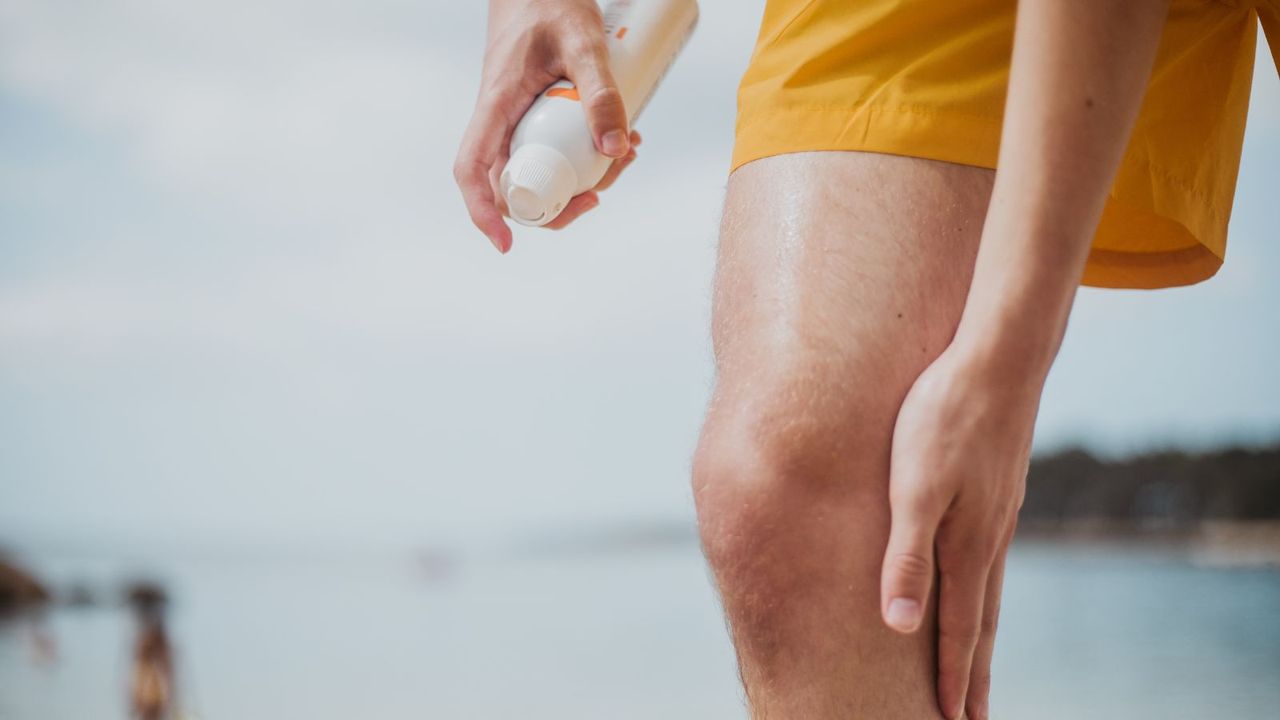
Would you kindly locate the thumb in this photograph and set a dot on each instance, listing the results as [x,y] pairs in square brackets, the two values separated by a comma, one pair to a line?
[588,68]
[908,567]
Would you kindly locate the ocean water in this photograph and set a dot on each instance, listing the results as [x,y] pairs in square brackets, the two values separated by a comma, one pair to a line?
[1087,631]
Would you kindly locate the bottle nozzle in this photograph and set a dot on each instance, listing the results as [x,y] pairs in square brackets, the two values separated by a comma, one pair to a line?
[537,183]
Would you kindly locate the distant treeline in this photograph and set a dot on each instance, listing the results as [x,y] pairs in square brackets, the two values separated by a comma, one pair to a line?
[1173,489]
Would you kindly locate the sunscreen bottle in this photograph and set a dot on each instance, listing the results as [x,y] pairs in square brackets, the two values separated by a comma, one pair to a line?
[553,156]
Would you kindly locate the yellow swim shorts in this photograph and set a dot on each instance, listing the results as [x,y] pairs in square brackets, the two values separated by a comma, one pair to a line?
[927,78]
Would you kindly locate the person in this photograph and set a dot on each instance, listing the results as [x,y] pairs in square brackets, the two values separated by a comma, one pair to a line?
[151,688]
[887,304]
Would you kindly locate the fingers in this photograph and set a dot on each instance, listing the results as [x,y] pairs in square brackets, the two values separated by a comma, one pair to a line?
[617,166]
[482,143]
[579,205]
[615,169]
[495,185]
[965,568]
[978,697]
[908,564]
[472,178]
[589,200]
[586,59]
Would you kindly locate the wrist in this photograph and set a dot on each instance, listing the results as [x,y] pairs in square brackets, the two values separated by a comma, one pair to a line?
[1023,287]
[1011,336]
[997,358]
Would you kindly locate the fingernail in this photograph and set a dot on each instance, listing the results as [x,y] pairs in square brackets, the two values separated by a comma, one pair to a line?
[903,614]
[615,143]
[497,244]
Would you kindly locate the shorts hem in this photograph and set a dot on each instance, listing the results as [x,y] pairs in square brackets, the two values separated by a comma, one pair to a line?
[1133,246]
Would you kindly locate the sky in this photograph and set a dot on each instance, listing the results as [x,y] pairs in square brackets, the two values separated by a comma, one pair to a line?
[240,297]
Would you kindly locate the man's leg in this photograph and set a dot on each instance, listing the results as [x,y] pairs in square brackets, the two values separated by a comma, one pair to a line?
[841,276]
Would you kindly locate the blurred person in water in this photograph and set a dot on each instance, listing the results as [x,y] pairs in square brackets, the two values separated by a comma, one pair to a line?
[151,695]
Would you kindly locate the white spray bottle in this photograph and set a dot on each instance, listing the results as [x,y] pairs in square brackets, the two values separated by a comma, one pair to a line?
[553,156]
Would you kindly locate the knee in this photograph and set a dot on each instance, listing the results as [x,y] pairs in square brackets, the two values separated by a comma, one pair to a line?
[763,467]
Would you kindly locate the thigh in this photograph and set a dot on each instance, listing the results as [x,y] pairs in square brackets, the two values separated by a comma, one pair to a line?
[841,275]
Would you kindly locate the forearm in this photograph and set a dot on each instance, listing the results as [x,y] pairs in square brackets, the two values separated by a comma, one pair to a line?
[1078,74]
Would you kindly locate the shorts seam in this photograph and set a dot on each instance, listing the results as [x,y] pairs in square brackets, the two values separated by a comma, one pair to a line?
[1177,181]
[833,107]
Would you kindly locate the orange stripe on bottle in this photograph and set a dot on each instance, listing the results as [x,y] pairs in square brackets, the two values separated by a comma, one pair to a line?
[566,92]
[621,31]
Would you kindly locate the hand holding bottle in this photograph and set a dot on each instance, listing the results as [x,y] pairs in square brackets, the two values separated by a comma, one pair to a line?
[532,44]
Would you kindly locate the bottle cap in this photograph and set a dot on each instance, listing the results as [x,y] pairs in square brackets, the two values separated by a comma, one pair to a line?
[537,183]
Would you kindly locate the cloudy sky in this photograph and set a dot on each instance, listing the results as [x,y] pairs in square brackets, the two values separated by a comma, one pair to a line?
[240,297]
